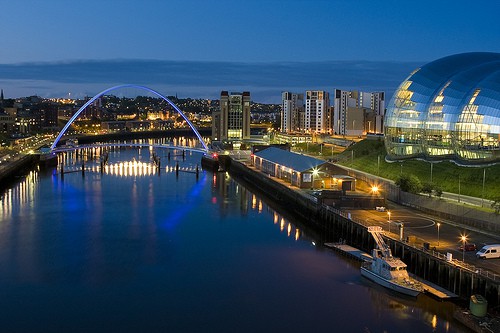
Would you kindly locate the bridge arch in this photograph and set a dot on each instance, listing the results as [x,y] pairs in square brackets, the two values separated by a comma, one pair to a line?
[65,128]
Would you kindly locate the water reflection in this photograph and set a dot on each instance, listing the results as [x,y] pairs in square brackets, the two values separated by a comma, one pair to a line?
[205,253]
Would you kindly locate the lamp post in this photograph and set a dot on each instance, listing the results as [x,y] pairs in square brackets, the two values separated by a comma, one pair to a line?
[431,171]
[314,173]
[482,193]
[378,165]
[464,239]
[438,225]
[389,221]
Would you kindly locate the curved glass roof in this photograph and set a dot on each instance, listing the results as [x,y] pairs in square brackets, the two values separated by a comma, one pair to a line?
[448,109]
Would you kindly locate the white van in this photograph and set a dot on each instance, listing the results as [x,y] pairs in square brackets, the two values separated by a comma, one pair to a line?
[489,251]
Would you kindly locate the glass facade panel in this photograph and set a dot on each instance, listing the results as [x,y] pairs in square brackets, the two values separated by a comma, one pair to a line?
[448,109]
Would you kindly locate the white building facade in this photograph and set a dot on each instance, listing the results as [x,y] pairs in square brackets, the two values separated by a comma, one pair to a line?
[316,110]
[356,113]
[292,105]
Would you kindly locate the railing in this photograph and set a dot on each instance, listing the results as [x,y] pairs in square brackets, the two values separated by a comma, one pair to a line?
[471,268]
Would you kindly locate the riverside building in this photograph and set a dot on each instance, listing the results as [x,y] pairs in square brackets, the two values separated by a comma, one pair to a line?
[316,111]
[292,110]
[356,113]
[231,123]
[448,109]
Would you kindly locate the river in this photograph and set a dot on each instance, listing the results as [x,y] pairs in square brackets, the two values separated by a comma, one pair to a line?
[133,248]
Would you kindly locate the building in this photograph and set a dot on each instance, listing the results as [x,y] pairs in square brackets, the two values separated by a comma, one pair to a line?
[7,123]
[292,109]
[377,105]
[231,123]
[316,111]
[448,109]
[356,113]
[301,170]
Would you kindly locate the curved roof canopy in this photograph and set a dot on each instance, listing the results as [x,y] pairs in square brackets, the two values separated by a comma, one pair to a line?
[448,109]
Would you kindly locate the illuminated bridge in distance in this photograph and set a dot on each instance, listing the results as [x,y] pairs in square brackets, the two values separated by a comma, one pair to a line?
[104,92]
[131,145]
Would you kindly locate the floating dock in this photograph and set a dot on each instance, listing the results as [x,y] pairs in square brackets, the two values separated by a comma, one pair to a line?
[349,251]
[429,288]
[434,290]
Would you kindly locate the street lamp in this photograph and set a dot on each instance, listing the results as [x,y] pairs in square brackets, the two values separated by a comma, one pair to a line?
[389,213]
[438,225]
[374,189]
[464,239]
[314,173]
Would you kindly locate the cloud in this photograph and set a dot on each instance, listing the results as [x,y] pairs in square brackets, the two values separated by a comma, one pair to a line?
[195,79]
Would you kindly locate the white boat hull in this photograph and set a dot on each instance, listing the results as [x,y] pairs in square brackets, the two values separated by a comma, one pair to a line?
[389,284]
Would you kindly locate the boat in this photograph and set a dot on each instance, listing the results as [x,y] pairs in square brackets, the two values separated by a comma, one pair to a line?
[389,271]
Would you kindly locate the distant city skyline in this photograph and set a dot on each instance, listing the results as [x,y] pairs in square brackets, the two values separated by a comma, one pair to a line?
[198,48]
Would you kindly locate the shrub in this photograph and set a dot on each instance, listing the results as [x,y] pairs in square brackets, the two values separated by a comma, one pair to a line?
[409,183]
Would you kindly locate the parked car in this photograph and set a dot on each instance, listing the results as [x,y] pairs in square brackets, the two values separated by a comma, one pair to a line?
[380,209]
[489,251]
[468,247]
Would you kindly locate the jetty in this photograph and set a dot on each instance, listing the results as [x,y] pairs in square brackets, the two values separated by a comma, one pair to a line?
[429,288]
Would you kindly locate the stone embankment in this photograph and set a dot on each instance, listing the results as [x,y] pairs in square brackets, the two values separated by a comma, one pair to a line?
[332,224]
[16,167]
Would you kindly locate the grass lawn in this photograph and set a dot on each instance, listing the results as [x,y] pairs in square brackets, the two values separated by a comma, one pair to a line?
[369,156]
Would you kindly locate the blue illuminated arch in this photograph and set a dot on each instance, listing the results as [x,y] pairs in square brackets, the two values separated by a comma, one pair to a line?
[127,86]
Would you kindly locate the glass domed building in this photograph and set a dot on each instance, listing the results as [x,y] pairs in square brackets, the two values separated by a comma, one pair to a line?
[448,109]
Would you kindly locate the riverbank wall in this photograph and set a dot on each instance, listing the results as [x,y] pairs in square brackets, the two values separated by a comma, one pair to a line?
[11,169]
[333,225]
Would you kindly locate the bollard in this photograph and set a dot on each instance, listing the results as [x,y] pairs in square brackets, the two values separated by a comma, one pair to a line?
[197,172]
[177,168]
[83,169]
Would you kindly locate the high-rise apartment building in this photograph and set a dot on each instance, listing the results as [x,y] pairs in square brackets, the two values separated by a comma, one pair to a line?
[292,107]
[232,121]
[316,111]
[378,107]
[357,113]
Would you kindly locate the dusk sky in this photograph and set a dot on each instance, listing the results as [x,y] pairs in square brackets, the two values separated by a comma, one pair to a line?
[55,47]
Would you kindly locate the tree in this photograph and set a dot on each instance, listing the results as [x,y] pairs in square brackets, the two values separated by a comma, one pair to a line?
[496,205]
[438,191]
[409,183]
[427,188]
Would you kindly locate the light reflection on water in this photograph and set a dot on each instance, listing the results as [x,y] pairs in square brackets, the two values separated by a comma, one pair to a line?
[139,249]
